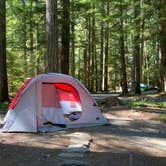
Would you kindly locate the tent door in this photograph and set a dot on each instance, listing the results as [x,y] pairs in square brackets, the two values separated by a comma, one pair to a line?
[52,112]
[69,101]
[60,102]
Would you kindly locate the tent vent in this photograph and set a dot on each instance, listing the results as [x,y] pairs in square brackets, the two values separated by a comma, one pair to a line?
[94,104]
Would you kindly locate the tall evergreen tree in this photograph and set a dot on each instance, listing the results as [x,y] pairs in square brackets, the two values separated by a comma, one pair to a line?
[72,66]
[3,67]
[162,41]
[122,52]
[101,78]
[51,33]
[65,36]
[106,49]
[136,49]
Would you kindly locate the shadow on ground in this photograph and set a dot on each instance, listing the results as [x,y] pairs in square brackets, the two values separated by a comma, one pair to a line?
[11,155]
[129,140]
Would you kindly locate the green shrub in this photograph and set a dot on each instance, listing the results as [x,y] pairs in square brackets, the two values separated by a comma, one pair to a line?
[4,106]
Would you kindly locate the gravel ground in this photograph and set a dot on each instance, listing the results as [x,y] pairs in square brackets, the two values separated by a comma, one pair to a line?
[133,138]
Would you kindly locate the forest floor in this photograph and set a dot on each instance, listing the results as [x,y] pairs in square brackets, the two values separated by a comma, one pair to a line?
[135,137]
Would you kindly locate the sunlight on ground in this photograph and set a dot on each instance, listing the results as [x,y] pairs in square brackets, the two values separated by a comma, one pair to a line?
[158,142]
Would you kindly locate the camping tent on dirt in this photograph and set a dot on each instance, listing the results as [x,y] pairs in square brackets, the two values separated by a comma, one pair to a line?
[51,102]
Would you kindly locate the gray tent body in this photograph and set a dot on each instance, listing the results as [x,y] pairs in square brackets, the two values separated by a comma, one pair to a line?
[30,114]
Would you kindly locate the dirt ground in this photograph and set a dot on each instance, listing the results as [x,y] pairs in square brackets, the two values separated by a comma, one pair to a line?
[133,138]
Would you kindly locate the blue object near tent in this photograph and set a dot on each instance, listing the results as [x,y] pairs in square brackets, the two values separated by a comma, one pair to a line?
[143,85]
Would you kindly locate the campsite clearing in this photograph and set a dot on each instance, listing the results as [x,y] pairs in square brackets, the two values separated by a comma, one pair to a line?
[132,139]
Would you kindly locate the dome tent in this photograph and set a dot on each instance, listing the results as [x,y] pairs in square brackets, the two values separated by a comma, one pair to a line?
[52,102]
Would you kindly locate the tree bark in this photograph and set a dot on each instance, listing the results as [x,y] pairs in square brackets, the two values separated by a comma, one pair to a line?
[85,74]
[162,40]
[101,50]
[72,50]
[122,54]
[142,40]
[136,49]
[89,31]
[65,36]
[3,66]
[106,50]
[37,61]
[101,59]
[51,35]
[24,40]
[31,31]
[93,46]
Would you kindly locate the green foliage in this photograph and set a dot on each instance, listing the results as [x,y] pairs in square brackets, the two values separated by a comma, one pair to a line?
[163,118]
[145,103]
[25,41]
[4,106]
[26,38]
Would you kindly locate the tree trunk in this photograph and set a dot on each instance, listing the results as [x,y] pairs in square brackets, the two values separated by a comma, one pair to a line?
[65,36]
[89,51]
[101,54]
[93,45]
[142,39]
[136,49]
[115,72]
[51,35]
[133,71]
[122,54]
[106,51]
[106,60]
[137,65]
[79,65]
[3,67]
[31,37]
[85,74]
[24,40]
[162,39]
[101,57]
[37,59]
[96,71]
[72,50]
[157,66]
